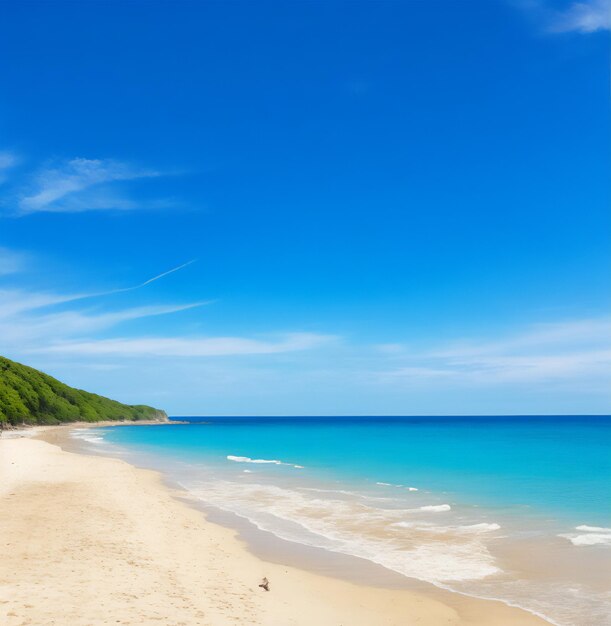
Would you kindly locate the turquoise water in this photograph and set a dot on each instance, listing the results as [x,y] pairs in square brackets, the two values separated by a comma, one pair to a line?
[440,499]
[560,465]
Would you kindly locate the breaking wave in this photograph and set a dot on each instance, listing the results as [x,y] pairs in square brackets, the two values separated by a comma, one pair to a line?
[594,536]
[246,459]
[435,508]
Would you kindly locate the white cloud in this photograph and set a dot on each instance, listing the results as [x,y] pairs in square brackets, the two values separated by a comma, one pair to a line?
[579,333]
[583,17]
[47,322]
[572,351]
[81,185]
[13,301]
[25,319]
[68,334]
[189,346]
[55,327]
[513,369]
[30,316]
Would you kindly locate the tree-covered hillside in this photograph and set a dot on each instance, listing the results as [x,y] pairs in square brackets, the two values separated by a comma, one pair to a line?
[31,397]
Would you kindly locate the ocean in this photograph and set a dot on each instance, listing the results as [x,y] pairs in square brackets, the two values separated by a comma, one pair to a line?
[511,508]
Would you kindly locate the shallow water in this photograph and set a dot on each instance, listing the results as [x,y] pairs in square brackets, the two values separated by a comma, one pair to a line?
[511,508]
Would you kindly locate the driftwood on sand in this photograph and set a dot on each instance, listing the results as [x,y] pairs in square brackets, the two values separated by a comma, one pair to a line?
[264,584]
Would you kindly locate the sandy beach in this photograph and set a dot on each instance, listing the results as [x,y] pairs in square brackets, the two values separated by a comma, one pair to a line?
[88,540]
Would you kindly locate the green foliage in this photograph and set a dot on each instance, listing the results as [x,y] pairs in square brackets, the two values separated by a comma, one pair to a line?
[31,397]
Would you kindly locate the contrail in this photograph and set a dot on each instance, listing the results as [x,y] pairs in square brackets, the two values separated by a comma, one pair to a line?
[124,289]
[152,280]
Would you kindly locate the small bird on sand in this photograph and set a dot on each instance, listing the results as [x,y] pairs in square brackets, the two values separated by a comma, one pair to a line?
[264,584]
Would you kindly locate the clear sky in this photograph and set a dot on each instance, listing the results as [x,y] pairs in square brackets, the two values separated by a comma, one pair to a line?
[370,207]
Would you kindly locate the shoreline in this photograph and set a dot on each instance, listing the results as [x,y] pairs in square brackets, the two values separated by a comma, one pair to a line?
[218,587]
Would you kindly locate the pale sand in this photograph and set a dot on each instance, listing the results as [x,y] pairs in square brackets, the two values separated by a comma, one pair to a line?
[90,540]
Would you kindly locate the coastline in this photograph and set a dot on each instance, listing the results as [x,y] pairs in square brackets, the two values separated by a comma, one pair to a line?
[101,538]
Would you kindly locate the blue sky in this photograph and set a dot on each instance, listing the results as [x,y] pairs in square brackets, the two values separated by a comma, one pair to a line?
[370,207]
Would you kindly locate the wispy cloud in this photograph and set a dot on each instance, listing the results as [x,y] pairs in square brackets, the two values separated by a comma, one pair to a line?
[37,329]
[31,314]
[191,346]
[14,301]
[79,185]
[92,330]
[548,336]
[583,17]
[55,323]
[570,351]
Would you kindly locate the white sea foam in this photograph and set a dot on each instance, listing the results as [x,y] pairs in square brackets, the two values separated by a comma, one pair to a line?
[394,485]
[595,536]
[350,494]
[468,528]
[351,526]
[86,434]
[247,459]
[407,525]
[591,539]
[342,491]
[434,508]
[484,527]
